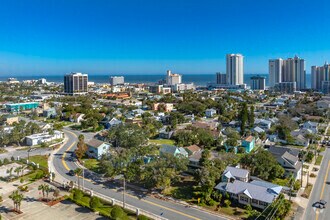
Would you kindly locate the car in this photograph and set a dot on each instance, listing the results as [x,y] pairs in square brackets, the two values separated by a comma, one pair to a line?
[318,205]
[71,173]
[322,202]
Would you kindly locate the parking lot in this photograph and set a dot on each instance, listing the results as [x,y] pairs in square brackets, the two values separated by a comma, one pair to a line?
[33,209]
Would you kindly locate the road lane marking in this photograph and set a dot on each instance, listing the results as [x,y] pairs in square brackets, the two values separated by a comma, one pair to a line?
[323,187]
[172,210]
[64,154]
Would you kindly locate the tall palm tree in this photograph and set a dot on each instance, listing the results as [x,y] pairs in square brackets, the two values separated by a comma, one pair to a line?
[47,190]
[43,188]
[78,172]
[17,198]
[10,171]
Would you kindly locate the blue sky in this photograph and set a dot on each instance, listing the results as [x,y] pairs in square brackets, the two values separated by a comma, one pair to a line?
[151,36]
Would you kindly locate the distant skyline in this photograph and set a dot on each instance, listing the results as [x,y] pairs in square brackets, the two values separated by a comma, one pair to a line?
[128,37]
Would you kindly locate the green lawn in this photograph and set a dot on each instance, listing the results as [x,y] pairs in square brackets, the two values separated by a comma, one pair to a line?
[91,164]
[42,160]
[162,141]
[318,160]
[281,182]
[104,209]
[306,166]
[234,211]
[32,176]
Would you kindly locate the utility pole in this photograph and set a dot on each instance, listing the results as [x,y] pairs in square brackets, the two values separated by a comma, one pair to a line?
[307,178]
[302,171]
[124,193]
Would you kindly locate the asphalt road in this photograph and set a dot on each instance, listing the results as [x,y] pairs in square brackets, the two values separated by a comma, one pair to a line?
[170,210]
[321,191]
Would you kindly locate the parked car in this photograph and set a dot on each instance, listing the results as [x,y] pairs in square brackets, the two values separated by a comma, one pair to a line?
[71,173]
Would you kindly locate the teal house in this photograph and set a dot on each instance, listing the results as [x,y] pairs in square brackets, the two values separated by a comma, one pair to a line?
[248,143]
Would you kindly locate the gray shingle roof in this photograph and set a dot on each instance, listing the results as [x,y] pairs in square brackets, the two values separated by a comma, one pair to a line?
[258,192]
[95,143]
[237,172]
[279,151]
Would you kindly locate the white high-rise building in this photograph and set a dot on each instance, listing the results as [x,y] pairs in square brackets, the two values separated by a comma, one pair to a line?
[234,69]
[320,74]
[275,67]
[294,71]
[173,78]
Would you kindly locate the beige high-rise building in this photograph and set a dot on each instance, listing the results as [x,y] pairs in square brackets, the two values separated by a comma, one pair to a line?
[173,78]
[289,70]
[294,71]
[234,69]
[320,74]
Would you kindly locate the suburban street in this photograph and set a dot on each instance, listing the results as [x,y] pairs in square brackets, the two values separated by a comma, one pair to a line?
[62,163]
[321,190]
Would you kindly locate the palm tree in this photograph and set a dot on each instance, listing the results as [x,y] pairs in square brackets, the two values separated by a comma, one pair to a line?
[17,198]
[47,190]
[22,169]
[44,188]
[10,171]
[17,170]
[78,172]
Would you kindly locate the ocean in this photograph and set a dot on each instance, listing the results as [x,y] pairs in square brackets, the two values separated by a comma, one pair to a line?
[197,79]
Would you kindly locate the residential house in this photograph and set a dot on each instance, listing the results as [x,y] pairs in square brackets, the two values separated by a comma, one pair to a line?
[11,119]
[113,122]
[163,133]
[258,130]
[77,117]
[263,123]
[167,107]
[248,143]
[138,112]
[253,193]
[39,138]
[236,174]
[210,113]
[288,158]
[192,149]
[173,150]
[311,125]
[49,113]
[97,148]
[210,125]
